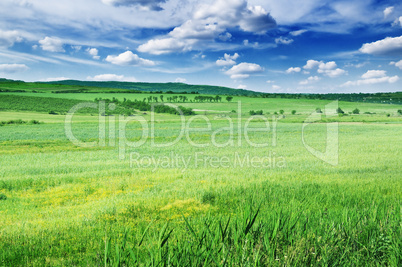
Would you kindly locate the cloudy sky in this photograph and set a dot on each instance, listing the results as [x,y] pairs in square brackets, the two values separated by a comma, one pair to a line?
[312,46]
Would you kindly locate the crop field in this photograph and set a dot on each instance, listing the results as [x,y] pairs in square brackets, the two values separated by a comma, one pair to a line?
[218,188]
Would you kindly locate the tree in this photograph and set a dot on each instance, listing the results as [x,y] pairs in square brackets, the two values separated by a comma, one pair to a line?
[161,97]
[339,111]
[281,111]
[229,98]
[318,110]
[293,112]
[400,111]
[356,111]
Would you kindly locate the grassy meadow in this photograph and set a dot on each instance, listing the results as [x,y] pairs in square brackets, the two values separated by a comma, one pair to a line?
[211,198]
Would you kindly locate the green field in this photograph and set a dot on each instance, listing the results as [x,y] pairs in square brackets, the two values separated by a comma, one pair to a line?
[210,199]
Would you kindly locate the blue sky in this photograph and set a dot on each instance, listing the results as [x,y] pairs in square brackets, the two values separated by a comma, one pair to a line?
[291,46]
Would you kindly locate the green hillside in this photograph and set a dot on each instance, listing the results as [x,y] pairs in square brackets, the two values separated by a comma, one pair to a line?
[160,87]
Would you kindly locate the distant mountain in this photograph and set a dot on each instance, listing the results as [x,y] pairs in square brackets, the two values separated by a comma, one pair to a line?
[161,87]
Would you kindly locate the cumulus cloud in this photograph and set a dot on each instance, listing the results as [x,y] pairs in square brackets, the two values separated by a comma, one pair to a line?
[389,45]
[146,4]
[388,11]
[8,38]
[373,77]
[283,40]
[210,22]
[52,44]
[243,70]
[276,87]
[292,69]
[166,46]
[13,68]
[129,59]
[374,74]
[93,52]
[297,33]
[311,64]
[111,77]
[310,79]
[397,64]
[329,68]
[227,60]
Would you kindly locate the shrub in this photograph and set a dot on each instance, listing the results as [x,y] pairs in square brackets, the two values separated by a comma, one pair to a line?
[52,112]
[318,110]
[293,112]
[388,115]
[356,111]
[400,111]
[258,112]
[3,197]
[34,122]
[340,111]
[281,111]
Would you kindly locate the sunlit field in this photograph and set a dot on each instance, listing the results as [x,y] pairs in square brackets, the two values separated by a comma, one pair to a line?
[214,195]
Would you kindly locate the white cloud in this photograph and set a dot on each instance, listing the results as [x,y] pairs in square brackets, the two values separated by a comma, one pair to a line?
[397,64]
[242,86]
[270,81]
[311,64]
[54,79]
[397,22]
[247,43]
[283,40]
[373,77]
[210,22]
[276,87]
[334,73]
[166,46]
[389,45]
[225,36]
[227,60]
[297,33]
[243,70]
[180,80]
[310,79]
[76,47]
[329,69]
[146,4]
[8,38]
[111,77]
[13,68]
[388,11]
[128,58]
[374,74]
[93,52]
[52,44]
[292,69]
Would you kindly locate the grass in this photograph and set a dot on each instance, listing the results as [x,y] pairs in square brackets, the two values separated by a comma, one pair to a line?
[65,205]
